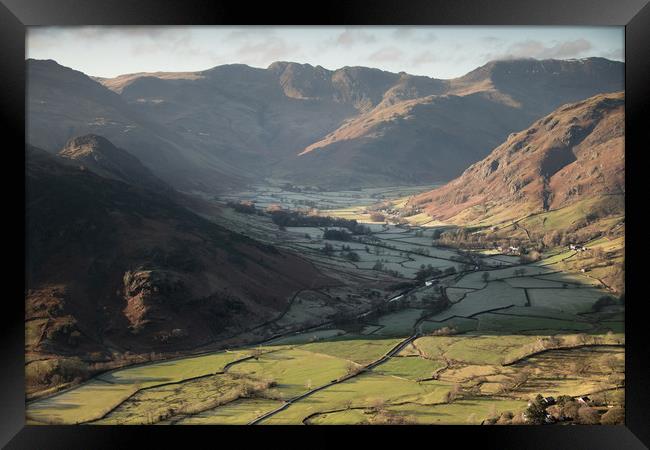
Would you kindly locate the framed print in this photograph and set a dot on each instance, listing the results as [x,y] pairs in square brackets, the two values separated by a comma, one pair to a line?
[395,216]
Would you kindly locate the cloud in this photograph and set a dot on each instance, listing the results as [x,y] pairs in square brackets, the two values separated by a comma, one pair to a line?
[490,40]
[141,39]
[386,54]
[106,33]
[536,49]
[248,33]
[425,57]
[267,50]
[351,37]
[413,34]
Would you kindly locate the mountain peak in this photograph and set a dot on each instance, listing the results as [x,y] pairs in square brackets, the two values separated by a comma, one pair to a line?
[100,156]
[83,146]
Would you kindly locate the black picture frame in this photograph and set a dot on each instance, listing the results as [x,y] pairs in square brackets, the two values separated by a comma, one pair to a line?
[15,15]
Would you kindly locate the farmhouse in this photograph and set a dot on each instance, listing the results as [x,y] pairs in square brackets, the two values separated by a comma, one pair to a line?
[511,249]
[430,282]
[584,400]
[577,247]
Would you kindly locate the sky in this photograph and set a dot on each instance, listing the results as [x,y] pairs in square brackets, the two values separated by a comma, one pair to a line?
[435,51]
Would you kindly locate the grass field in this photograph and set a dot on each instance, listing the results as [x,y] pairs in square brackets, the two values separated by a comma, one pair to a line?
[503,340]
[239,412]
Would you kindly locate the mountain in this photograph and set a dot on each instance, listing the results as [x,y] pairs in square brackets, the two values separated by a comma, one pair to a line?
[353,126]
[434,133]
[574,153]
[100,156]
[63,103]
[114,268]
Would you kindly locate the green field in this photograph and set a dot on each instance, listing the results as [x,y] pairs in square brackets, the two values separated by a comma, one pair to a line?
[502,340]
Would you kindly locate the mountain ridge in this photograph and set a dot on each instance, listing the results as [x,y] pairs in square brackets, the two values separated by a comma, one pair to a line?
[241,123]
[575,152]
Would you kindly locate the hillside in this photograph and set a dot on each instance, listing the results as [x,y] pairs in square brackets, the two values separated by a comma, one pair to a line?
[430,130]
[559,182]
[114,270]
[63,103]
[576,152]
[348,127]
[100,156]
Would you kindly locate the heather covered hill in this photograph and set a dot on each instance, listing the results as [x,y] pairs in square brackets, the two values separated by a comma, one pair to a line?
[574,153]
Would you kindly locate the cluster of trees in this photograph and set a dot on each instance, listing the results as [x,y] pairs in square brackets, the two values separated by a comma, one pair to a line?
[379,265]
[427,271]
[420,251]
[337,235]
[605,301]
[351,256]
[328,249]
[530,256]
[567,408]
[444,331]
[245,208]
[309,203]
[383,416]
[285,218]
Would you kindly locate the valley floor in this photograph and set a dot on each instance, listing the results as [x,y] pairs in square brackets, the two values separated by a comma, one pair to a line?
[509,331]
